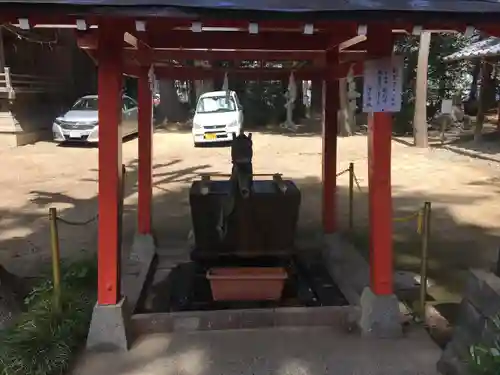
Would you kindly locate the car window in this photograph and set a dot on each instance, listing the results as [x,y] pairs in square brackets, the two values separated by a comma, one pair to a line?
[85,104]
[212,104]
[128,104]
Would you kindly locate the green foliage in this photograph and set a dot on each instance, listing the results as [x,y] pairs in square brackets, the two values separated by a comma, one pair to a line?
[264,102]
[445,80]
[485,359]
[43,342]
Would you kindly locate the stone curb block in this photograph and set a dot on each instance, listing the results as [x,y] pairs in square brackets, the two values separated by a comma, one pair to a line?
[334,316]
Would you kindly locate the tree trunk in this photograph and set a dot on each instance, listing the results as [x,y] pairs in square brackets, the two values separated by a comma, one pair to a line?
[2,53]
[485,81]
[192,94]
[316,97]
[170,108]
[420,135]
[345,117]
[206,85]
[475,78]
[498,116]
[299,107]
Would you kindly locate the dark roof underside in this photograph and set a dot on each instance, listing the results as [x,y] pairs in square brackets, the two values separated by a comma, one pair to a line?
[317,9]
[476,6]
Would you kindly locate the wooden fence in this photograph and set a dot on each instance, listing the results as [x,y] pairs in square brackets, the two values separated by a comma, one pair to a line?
[12,84]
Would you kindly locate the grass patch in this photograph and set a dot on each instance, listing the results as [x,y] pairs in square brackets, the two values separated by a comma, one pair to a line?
[44,342]
[485,358]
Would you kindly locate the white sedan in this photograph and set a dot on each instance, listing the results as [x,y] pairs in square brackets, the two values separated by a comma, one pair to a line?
[81,122]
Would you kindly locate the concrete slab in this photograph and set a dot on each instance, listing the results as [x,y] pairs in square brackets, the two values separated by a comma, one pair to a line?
[136,268]
[143,248]
[271,351]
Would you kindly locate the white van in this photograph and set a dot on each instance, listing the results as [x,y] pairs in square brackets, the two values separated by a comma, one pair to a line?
[218,116]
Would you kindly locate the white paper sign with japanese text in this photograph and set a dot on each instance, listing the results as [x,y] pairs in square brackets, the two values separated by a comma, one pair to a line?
[383,85]
[447,106]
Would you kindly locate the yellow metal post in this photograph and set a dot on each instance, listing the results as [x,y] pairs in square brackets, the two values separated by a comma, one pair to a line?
[351,196]
[424,257]
[56,258]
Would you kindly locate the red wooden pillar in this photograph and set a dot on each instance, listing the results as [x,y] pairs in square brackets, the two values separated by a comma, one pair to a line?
[145,176]
[329,164]
[379,180]
[110,162]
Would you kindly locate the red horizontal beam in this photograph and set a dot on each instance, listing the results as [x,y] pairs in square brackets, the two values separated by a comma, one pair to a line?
[347,59]
[196,73]
[227,40]
[242,41]
[492,30]
[145,57]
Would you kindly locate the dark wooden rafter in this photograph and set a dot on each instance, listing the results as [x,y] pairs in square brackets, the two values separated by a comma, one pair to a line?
[227,40]
[264,74]
[149,56]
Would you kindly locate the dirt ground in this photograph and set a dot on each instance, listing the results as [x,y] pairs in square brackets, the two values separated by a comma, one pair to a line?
[463,191]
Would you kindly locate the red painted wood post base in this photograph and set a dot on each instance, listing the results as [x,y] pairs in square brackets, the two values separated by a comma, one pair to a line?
[110,163]
[380,316]
[145,175]
[380,202]
[110,318]
[329,164]
[380,45]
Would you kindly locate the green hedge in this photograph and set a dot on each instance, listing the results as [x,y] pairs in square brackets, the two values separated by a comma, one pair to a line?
[485,359]
[44,342]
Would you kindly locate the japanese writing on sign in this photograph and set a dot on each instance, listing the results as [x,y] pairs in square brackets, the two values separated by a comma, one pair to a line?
[383,83]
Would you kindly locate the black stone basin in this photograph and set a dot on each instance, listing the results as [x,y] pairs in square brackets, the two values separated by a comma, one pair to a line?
[262,225]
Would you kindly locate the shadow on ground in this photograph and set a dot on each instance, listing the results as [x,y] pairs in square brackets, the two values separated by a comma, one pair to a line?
[461,142]
[450,256]
[267,352]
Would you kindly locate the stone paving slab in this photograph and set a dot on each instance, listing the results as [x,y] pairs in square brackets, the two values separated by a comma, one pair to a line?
[272,351]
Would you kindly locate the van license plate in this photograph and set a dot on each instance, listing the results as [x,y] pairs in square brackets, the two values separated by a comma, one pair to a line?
[75,134]
[210,136]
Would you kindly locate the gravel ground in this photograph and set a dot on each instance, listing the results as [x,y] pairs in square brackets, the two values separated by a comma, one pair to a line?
[463,191]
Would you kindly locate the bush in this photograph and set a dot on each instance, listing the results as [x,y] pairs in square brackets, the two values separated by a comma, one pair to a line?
[485,359]
[43,341]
